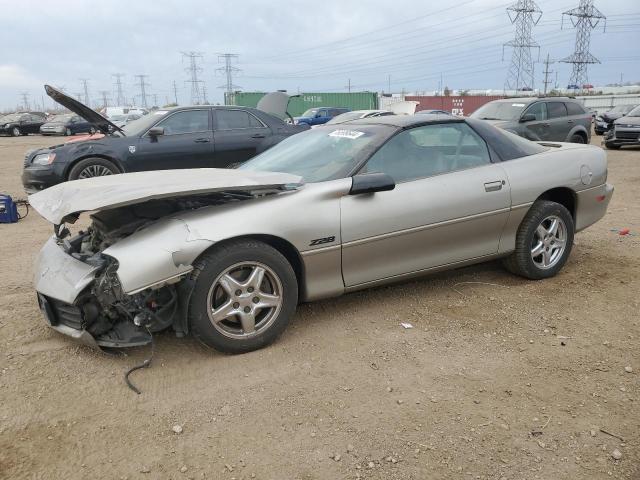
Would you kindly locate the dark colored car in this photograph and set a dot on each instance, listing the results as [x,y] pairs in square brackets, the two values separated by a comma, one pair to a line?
[16,124]
[320,115]
[433,112]
[625,131]
[558,119]
[604,121]
[181,137]
[67,124]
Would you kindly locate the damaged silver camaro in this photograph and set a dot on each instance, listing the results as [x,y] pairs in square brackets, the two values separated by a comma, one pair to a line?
[226,255]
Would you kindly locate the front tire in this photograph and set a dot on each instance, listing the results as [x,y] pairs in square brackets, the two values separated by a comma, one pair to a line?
[244,297]
[612,146]
[543,242]
[92,167]
[15,132]
[67,132]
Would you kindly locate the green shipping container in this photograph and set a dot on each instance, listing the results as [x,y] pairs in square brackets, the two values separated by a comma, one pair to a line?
[298,105]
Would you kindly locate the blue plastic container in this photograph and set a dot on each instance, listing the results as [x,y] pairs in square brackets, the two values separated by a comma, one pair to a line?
[8,210]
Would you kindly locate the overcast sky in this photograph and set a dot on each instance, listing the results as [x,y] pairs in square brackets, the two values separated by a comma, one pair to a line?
[310,46]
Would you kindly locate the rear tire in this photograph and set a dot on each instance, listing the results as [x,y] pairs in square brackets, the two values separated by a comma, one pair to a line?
[92,167]
[540,252]
[611,146]
[245,294]
[577,138]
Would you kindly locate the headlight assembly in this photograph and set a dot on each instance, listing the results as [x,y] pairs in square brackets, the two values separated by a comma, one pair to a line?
[43,159]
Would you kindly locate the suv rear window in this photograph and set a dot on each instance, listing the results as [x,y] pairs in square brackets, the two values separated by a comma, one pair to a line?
[574,108]
[507,145]
[556,110]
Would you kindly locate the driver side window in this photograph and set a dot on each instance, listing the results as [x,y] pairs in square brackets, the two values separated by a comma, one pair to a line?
[538,109]
[429,150]
[188,121]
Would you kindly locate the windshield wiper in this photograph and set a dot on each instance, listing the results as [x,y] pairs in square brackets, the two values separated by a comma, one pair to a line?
[489,118]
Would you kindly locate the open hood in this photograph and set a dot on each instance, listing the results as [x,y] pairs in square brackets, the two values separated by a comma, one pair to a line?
[276,103]
[91,116]
[63,202]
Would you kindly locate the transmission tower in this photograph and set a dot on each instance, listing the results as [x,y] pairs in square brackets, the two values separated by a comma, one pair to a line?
[524,14]
[546,72]
[25,100]
[142,84]
[105,98]
[120,96]
[85,89]
[155,99]
[584,18]
[228,70]
[193,69]
[78,96]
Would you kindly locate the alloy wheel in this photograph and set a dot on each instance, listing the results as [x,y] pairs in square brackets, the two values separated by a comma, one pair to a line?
[244,300]
[91,171]
[549,242]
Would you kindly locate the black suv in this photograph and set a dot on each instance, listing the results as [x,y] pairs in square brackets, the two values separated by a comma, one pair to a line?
[182,137]
[17,124]
[558,119]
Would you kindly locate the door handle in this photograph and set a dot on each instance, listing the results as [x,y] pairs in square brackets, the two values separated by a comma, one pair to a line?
[258,135]
[545,124]
[202,140]
[493,186]
[569,121]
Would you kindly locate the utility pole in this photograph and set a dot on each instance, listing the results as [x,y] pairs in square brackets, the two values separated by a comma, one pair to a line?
[85,89]
[348,87]
[25,100]
[193,69]
[175,92]
[546,73]
[389,84]
[120,97]
[524,14]
[584,18]
[228,70]
[205,101]
[105,98]
[142,84]
[155,99]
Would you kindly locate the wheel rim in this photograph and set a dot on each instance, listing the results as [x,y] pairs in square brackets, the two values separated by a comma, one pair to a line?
[549,242]
[244,300]
[68,132]
[92,131]
[16,132]
[94,171]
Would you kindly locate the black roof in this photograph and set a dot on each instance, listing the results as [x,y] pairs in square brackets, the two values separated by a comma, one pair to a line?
[406,121]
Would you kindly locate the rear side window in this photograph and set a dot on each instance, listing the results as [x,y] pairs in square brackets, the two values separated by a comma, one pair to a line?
[556,110]
[507,145]
[236,119]
[574,108]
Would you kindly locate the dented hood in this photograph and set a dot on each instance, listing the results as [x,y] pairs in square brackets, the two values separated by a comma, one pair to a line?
[62,202]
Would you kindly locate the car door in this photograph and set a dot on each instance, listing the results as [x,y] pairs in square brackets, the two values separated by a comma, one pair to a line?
[238,135]
[559,125]
[450,204]
[537,129]
[576,115]
[28,124]
[187,142]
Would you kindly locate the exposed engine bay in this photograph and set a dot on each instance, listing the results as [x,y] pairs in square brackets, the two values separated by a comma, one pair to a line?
[112,317]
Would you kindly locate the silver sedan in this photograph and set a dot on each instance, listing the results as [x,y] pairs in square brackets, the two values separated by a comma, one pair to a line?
[227,255]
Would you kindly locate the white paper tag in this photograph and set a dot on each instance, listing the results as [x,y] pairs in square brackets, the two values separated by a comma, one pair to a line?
[517,104]
[352,134]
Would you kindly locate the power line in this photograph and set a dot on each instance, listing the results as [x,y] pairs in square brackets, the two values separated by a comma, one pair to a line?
[120,96]
[228,70]
[142,84]
[193,69]
[584,18]
[524,14]
[85,89]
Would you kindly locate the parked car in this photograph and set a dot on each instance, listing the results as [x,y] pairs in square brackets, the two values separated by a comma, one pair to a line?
[434,112]
[181,137]
[67,124]
[573,87]
[16,124]
[320,115]
[226,255]
[559,119]
[122,120]
[356,114]
[625,131]
[605,120]
[111,111]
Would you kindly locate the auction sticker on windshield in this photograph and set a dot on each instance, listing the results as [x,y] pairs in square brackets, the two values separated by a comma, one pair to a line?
[352,134]
[517,104]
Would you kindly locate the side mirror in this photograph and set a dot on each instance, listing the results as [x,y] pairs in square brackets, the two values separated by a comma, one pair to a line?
[371,182]
[156,131]
[527,117]
[318,115]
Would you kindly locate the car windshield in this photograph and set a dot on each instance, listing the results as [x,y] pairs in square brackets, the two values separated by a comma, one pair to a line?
[345,117]
[635,112]
[622,108]
[310,113]
[117,118]
[61,118]
[500,111]
[141,125]
[324,153]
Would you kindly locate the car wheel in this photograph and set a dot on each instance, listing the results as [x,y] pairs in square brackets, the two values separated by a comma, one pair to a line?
[92,167]
[612,146]
[543,242]
[67,132]
[245,294]
[92,130]
[15,131]
[577,138]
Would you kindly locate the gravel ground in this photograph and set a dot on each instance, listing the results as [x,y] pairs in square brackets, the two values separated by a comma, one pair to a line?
[507,378]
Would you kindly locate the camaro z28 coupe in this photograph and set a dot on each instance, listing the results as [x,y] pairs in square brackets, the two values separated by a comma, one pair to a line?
[227,255]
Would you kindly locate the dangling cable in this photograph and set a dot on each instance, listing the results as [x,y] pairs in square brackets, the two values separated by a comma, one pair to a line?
[145,364]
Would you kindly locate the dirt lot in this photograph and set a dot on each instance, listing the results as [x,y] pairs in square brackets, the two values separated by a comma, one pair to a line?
[512,380]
